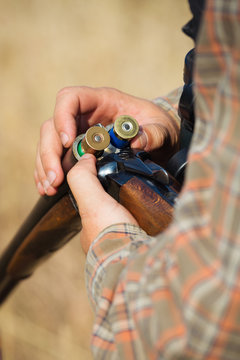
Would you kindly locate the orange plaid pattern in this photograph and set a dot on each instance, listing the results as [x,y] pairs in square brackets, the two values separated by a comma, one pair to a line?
[177,296]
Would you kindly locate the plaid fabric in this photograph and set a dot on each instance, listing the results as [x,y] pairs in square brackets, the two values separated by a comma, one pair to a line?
[177,296]
[169,103]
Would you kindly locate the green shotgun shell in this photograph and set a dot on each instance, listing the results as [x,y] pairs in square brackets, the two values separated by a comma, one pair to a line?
[93,142]
[125,127]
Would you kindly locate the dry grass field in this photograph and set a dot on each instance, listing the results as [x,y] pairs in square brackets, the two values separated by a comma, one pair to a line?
[133,45]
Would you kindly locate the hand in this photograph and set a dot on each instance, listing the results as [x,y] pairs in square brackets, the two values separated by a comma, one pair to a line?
[96,208]
[77,108]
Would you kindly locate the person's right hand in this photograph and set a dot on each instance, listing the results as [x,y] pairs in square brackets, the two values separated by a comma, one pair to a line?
[78,108]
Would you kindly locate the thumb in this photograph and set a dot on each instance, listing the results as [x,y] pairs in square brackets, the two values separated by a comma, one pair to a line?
[151,137]
[97,209]
[84,184]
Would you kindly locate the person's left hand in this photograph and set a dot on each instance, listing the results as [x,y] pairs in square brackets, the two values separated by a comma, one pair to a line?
[96,208]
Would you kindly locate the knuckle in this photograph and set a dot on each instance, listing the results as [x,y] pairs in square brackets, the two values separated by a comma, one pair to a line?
[45,156]
[64,91]
[40,174]
[109,91]
[42,129]
[71,90]
[45,153]
[35,175]
[75,172]
[71,175]
[45,127]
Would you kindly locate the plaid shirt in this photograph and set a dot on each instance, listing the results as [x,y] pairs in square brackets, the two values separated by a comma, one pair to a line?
[177,295]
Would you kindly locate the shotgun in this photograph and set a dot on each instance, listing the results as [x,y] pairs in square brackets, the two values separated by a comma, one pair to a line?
[145,188]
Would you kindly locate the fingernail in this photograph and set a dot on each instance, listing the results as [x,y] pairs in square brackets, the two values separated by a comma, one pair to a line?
[140,140]
[46,185]
[40,187]
[143,139]
[51,176]
[86,156]
[64,138]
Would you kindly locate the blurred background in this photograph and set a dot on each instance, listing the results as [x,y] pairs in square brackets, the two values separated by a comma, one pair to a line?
[134,45]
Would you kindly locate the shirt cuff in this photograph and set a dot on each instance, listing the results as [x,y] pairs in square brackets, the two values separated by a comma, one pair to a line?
[169,103]
[108,255]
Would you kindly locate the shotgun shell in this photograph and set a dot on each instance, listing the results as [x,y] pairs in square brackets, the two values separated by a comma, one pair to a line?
[124,129]
[93,142]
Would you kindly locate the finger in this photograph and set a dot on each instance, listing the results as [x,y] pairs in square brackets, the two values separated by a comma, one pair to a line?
[38,183]
[150,137]
[42,182]
[39,168]
[84,184]
[70,103]
[50,152]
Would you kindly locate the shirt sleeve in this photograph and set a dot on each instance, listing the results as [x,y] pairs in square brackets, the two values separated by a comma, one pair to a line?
[169,104]
[177,295]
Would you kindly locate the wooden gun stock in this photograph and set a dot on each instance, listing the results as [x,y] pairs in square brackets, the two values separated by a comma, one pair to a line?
[152,212]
